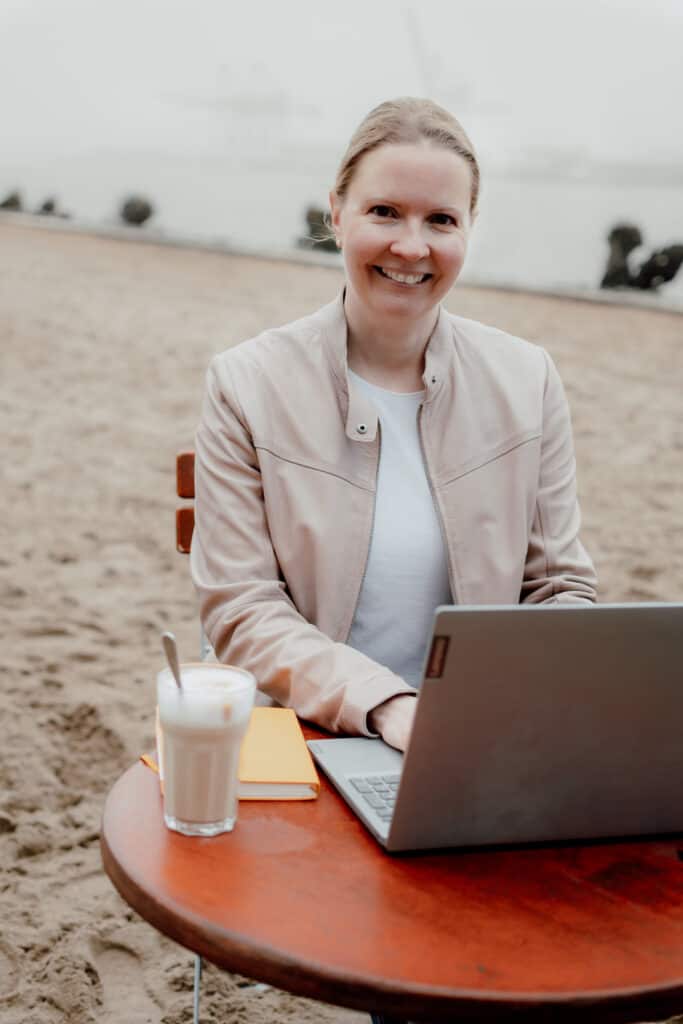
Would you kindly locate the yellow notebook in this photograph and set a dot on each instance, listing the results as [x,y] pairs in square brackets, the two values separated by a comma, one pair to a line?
[275,763]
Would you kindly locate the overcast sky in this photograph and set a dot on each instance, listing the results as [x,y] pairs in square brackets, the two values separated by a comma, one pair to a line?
[601,76]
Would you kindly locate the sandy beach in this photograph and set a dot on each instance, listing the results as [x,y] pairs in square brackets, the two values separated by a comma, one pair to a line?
[103,350]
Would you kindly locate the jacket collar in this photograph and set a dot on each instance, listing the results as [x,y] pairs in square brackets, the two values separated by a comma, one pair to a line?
[359,412]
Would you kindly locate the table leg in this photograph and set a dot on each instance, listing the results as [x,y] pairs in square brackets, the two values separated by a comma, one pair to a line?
[197,983]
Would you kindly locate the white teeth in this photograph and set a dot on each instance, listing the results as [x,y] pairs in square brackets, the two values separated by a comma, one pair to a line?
[403,278]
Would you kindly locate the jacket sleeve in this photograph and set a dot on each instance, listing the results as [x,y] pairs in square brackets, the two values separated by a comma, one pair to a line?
[245,608]
[558,568]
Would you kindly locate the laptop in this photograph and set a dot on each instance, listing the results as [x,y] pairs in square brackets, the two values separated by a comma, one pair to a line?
[545,723]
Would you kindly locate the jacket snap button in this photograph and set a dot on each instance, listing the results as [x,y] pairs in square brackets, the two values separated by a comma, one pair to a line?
[362,428]
[433,380]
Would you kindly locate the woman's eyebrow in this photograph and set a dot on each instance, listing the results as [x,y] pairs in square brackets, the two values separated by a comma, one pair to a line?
[447,208]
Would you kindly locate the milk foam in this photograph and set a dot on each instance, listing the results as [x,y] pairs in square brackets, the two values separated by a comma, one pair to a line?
[212,697]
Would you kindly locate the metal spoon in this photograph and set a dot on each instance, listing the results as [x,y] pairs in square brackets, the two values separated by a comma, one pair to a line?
[171,652]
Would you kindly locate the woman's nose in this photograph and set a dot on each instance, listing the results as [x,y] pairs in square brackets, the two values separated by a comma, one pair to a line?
[409,244]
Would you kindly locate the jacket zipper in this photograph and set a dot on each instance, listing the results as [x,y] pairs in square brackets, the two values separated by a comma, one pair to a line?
[372,530]
[437,508]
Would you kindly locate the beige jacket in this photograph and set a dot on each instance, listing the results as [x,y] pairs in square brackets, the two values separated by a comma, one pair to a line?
[286,465]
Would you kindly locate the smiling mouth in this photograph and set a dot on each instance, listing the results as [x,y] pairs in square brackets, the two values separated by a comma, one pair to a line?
[397,278]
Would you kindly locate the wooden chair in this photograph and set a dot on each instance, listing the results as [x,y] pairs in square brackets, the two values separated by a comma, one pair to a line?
[184,521]
[184,516]
[184,528]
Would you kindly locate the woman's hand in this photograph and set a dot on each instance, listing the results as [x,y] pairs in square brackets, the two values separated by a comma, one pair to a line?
[393,720]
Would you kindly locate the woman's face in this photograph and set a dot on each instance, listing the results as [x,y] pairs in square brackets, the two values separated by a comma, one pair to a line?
[403,226]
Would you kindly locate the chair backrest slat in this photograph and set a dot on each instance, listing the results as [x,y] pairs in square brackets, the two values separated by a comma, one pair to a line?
[185,474]
[184,528]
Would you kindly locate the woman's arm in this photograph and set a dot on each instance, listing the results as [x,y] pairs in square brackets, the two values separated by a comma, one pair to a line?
[246,610]
[558,568]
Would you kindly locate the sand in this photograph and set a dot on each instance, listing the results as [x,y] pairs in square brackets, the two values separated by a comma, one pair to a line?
[103,349]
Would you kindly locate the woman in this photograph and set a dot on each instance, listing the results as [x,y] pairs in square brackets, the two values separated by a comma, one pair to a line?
[381,456]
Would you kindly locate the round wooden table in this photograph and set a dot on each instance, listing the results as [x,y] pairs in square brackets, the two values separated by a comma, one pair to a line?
[300,896]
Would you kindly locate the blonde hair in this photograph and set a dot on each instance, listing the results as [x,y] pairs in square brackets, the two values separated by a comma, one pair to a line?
[408,119]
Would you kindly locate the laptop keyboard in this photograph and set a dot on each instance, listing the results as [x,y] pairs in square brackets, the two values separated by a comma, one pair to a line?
[378,791]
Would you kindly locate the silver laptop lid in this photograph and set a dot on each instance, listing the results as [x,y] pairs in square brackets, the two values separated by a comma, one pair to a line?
[546,723]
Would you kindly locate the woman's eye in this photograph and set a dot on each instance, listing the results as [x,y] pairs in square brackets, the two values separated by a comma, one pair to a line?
[382,211]
[444,218]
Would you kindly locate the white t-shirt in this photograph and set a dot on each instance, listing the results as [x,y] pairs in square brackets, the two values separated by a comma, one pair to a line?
[406,576]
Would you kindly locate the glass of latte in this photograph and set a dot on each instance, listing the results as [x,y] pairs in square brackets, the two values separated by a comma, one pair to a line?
[200,732]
